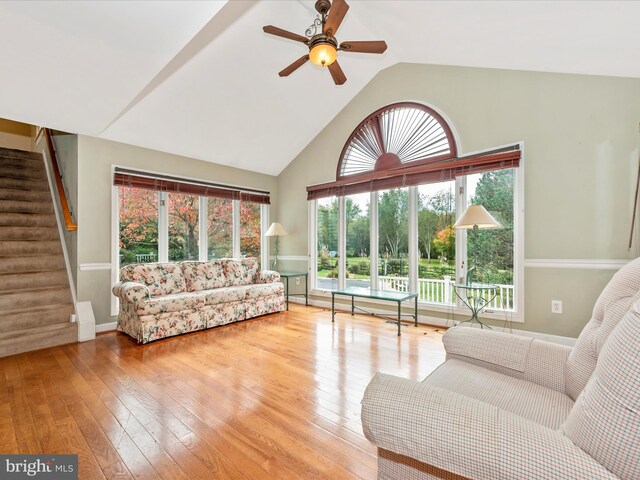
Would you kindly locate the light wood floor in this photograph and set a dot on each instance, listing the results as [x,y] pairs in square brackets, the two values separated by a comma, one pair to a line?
[276,397]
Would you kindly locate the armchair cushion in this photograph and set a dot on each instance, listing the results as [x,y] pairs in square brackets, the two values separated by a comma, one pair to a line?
[540,362]
[514,395]
[466,436]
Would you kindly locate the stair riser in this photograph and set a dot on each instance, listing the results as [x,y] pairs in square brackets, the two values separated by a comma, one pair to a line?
[39,339]
[16,162]
[35,318]
[25,195]
[19,172]
[13,206]
[27,220]
[29,233]
[30,264]
[13,249]
[24,184]
[39,298]
[20,281]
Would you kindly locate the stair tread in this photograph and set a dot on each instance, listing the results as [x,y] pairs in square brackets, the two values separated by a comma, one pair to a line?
[32,290]
[14,152]
[44,328]
[40,309]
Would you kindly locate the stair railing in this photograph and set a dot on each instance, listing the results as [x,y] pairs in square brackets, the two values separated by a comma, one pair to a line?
[68,220]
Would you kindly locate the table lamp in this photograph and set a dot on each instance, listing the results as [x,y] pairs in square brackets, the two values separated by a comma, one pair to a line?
[475,217]
[275,230]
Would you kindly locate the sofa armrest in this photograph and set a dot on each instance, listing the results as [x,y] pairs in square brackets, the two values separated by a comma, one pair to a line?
[131,291]
[521,357]
[267,276]
[467,437]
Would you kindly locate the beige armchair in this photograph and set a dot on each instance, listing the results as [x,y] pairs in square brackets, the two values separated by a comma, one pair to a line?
[509,407]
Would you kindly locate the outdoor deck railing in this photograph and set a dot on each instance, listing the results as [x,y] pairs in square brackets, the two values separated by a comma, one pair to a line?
[441,291]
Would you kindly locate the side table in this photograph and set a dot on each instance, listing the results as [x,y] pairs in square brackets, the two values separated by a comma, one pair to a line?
[287,276]
[476,296]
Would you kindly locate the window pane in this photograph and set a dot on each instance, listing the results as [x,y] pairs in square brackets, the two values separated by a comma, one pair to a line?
[220,227]
[250,238]
[491,250]
[393,239]
[138,225]
[436,242]
[358,246]
[327,241]
[183,227]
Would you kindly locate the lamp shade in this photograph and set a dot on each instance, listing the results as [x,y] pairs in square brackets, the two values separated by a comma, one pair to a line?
[476,215]
[275,230]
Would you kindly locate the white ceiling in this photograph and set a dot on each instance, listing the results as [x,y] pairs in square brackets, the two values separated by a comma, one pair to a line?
[200,78]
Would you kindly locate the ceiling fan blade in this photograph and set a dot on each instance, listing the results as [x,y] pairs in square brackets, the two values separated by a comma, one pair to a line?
[270,29]
[337,74]
[337,12]
[294,66]
[364,47]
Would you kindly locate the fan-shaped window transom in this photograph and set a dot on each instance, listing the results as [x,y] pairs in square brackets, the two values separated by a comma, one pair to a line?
[395,135]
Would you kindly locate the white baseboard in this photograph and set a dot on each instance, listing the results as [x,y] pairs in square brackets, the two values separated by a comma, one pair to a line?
[442,322]
[105,327]
[86,321]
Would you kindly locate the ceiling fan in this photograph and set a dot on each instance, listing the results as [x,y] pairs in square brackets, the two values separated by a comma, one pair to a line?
[322,43]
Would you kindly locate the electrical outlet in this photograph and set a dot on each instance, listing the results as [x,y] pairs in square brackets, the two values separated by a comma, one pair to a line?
[556,306]
[297,280]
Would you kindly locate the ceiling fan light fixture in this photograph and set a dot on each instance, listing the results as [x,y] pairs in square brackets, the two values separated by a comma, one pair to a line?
[323,53]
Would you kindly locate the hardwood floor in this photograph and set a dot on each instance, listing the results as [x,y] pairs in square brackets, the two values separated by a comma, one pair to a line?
[277,397]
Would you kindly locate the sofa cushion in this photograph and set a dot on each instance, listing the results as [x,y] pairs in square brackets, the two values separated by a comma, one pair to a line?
[264,289]
[203,275]
[240,271]
[612,304]
[605,421]
[224,295]
[172,303]
[160,278]
[514,395]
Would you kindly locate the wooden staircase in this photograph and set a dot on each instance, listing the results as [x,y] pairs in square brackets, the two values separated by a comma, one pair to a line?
[35,298]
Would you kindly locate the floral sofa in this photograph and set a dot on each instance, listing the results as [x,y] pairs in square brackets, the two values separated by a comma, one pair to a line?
[159,300]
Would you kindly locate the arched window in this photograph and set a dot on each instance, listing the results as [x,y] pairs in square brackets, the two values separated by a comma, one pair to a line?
[394,136]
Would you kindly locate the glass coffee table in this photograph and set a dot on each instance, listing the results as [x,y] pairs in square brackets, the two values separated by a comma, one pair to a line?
[389,296]
[476,296]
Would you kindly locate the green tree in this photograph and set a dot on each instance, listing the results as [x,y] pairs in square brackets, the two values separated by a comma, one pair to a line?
[393,215]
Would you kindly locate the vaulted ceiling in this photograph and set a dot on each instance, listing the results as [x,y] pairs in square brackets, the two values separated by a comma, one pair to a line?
[200,78]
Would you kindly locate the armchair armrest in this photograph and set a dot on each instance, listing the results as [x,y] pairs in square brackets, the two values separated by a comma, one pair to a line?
[267,276]
[521,357]
[467,437]
[131,291]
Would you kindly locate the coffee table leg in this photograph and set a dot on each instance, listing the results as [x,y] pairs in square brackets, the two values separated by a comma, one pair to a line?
[353,306]
[333,304]
[306,290]
[399,313]
[416,313]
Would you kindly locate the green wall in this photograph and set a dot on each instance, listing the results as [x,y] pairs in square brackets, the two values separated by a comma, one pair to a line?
[581,146]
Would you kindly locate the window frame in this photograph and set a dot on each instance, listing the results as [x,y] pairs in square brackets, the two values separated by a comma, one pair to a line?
[515,315]
[163,232]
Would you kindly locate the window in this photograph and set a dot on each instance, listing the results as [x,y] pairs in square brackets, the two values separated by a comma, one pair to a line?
[138,225]
[183,227]
[492,250]
[393,239]
[358,243]
[402,180]
[220,228]
[327,243]
[436,242]
[250,233]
